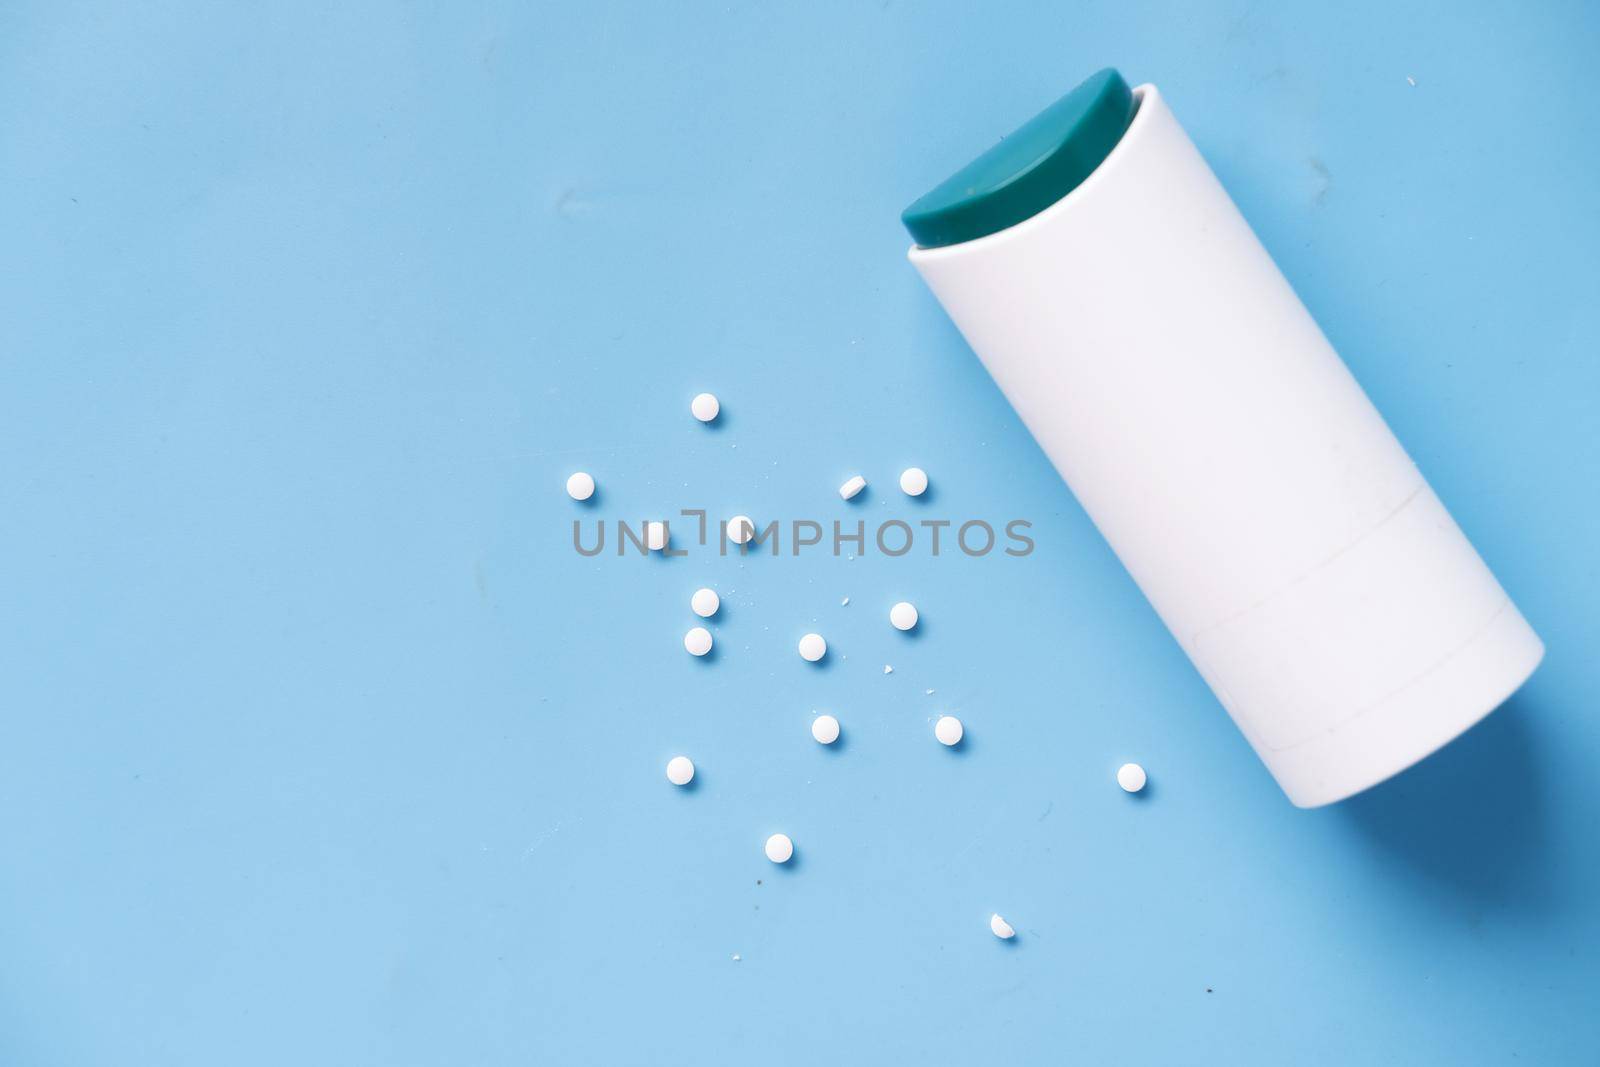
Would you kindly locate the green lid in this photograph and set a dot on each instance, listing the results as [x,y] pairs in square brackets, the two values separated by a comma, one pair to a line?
[1030,170]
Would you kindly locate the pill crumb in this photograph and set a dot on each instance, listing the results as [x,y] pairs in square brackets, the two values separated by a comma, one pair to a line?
[680,770]
[903,616]
[843,602]
[580,486]
[887,669]
[779,848]
[741,528]
[825,728]
[929,692]
[1000,928]
[852,487]
[705,407]
[1131,777]
[913,481]
[655,535]
[736,957]
[948,730]
[697,642]
[705,602]
[1413,83]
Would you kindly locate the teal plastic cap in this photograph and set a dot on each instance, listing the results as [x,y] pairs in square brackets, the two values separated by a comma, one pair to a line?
[1030,170]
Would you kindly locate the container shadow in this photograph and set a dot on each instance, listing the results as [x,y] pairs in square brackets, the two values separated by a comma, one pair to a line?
[1471,818]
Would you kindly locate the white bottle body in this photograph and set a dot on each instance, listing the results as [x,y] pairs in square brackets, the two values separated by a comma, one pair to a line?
[1191,403]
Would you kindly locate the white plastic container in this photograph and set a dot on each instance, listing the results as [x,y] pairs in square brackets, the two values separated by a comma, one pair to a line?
[1244,479]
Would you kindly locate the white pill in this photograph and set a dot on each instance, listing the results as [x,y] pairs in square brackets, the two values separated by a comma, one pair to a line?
[1131,777]
[948,730]
[825,728]
[655,535]
[903,616]
[697,642]
[913,481]
[1000,928]
[741,528]
[705,602]
[813,648]
[852,487]
[705,407]
[779,848]
[580,486]
[680,770]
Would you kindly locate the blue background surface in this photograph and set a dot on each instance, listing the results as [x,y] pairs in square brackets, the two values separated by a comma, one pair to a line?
[321,745]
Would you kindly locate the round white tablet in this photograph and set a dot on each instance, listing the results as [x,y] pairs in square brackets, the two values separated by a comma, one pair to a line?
[913,481]
[948,730]
[779,848]
[813,648]
[705,602]
[655,535]
[903,616]
[1131,777]
[680,770]
[705,407]
[580,486]
[825,728]
[1000,928]
[697,642]
[740,529]
[852,487]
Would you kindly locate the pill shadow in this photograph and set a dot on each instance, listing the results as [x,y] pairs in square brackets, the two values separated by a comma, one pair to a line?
[751,550]
[838,746]
[962,748]
[1469,820]
[793,864]
[823,664]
